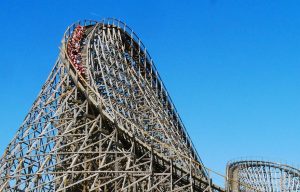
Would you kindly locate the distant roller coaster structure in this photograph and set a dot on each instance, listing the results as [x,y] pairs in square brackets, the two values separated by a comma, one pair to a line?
[263,176]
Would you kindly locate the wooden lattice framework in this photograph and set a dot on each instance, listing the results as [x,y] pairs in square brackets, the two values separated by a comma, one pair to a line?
[111,128]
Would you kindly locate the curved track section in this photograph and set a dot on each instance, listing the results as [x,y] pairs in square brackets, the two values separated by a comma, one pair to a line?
[103,121]
[262,176]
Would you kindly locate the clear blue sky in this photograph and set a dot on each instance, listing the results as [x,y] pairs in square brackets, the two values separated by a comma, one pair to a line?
[232,67]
